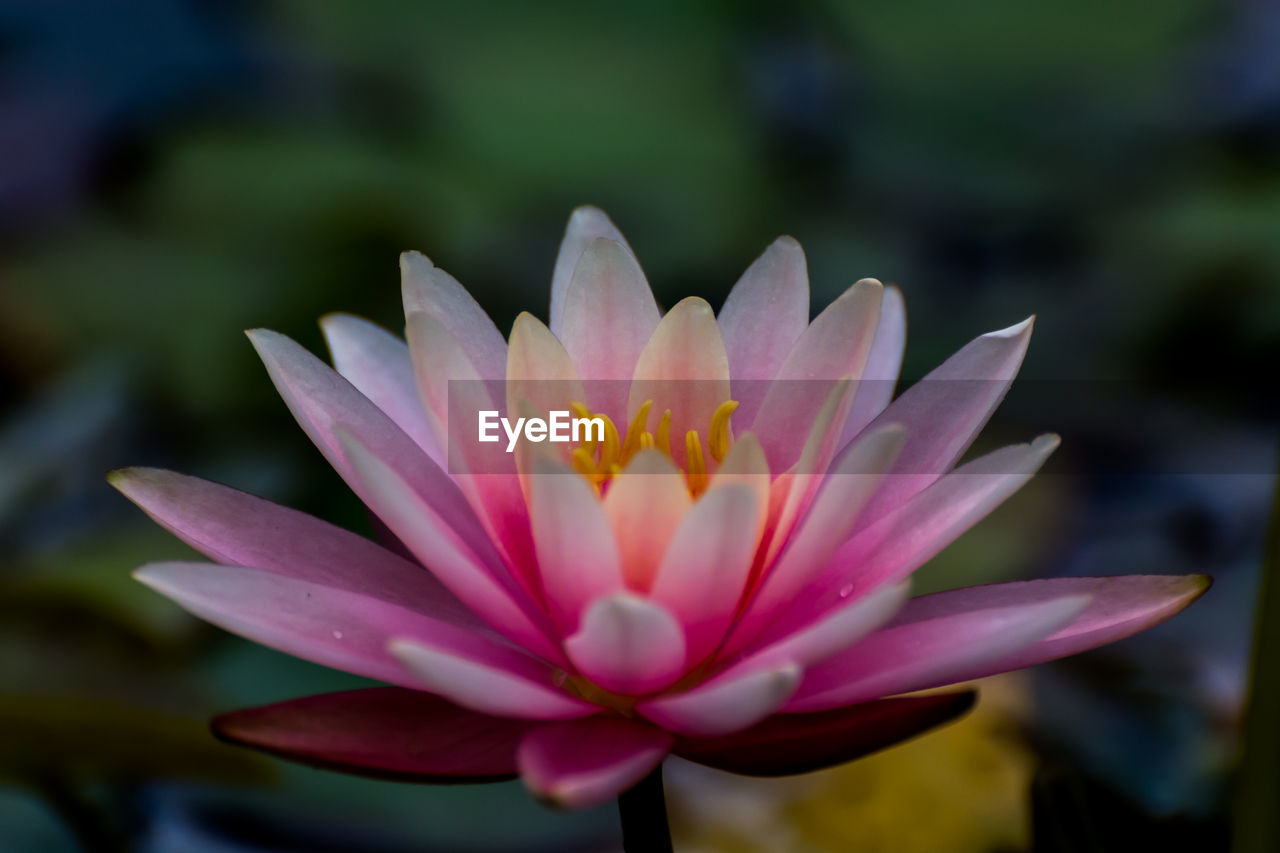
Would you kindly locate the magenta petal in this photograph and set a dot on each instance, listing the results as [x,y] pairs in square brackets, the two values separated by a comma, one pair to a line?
[377,363]
[489,677]
[916,654]
[322,624]
[585,762]
[786,744]
[732,700]
[629,645]
[586,224]
[237,528]
[1118,607]
[383,732]
[945,411]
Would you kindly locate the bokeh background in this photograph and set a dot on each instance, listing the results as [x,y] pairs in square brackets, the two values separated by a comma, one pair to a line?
[175,171]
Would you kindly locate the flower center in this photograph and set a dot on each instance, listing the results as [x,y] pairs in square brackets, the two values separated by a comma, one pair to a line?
[600,461]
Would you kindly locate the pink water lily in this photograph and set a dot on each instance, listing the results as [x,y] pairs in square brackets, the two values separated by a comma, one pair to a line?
[722,576]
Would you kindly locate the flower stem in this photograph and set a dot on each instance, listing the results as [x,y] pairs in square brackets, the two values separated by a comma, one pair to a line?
[643,810]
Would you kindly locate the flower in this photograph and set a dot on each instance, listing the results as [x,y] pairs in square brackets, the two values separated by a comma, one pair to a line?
[738,598]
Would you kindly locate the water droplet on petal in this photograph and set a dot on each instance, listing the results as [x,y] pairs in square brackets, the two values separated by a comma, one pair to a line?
[337,635]
[846,590]
[560,677]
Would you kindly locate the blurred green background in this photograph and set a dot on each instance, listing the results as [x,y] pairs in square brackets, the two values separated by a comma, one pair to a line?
[173,172]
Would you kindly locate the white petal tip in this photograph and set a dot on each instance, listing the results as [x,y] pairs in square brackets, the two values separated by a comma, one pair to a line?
[1014,331]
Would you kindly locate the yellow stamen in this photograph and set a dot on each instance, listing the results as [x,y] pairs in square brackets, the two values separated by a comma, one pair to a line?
[584,462]
[631,443]
[611,449]
[695,463]
[581,412]
[646,440]
[718,437]
[662,438]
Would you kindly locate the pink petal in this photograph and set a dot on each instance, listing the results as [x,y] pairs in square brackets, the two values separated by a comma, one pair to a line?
[322,400]
[906,539]
[683,368]
[322,624]
[586,762]
[576,549]
[844,491]
[1118,607]
[836,345]
[645,504]
[875,388]
[628,645]
[609,316]
[728,702]
[586,224]
[488,678]
[764,315]
[429,289]
[946,410]
[539,370]
[836,631]
[384,732]
[479,581]
[786,744]
[705,569]
[918,654]
[236,528]
[377,363]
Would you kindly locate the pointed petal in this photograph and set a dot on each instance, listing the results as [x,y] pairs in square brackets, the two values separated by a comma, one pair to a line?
[645,504]
[236,528]
[586,224]
[728,702]
[880,377]
[1118,607]
[705,569]
[628,645]
[324,625]
[836,345]
[609,315]
[576,550]
[489,678]
[377,363]
[787,744]
[946,410]
[929,652]
[586,762]
[539,371]
[429,289]
[844,491]
[383,732]
[766,313]
[684,369]
[480,582]
[321,400]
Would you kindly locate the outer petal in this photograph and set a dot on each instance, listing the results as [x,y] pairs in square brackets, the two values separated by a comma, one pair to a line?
[609,315]
[836,345]
[384,732]
[479,582]
[489,678]
[645,504]
[586,224]
[946,410]
[585,762]
[787,744]
[683,368]
[875,388]
[915,655]
[705,570]
[322,400]
[377,363]
[236,528]
[576,549]
[1118,607]
[430,289]
[321,624]
[628,645]
[766,313]
[733,700]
